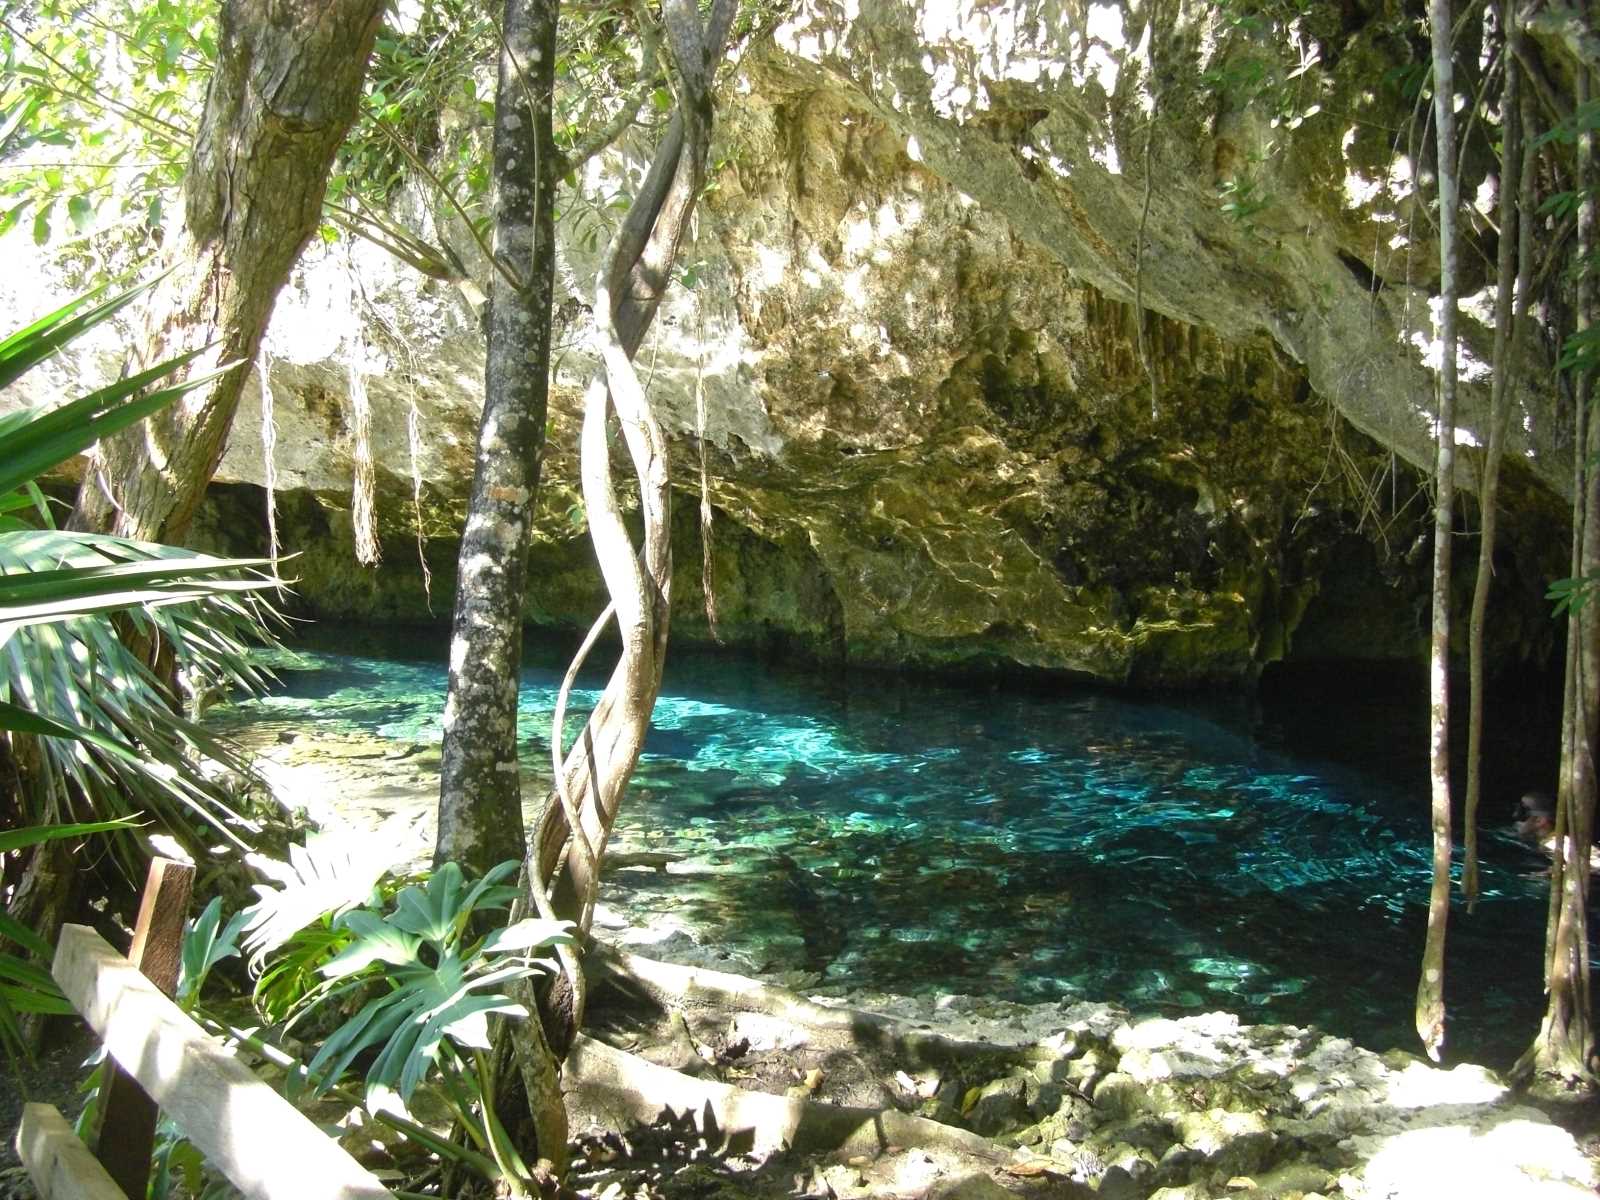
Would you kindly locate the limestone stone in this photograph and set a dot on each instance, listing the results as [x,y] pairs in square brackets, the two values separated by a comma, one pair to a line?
[1119,1097]
[1237,1142]
[999,1106]
[911,359]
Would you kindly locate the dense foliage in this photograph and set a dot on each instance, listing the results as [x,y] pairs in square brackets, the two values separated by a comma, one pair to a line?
[96,126]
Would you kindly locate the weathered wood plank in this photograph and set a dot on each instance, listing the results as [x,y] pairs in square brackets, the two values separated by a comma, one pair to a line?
[253,1135]
[61,1166]
[126,1136]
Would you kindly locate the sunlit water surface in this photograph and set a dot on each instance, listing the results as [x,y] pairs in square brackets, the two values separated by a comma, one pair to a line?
[919,837]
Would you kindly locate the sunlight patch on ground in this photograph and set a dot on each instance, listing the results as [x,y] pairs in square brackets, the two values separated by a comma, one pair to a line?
[1473,1160]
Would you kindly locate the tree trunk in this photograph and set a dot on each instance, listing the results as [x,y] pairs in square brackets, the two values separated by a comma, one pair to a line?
[1499,416]
[480,798]
[287,82]
[1564,1047]
[480,793]
[1430,1012]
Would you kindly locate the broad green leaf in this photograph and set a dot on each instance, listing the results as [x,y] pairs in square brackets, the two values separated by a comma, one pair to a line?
[204,946]
[374,1024]
[375,941]
[430,911]
[486,894]
[532,933]
[465,1020]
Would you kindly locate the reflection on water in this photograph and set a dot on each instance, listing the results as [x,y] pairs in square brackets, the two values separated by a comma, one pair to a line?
[911,836]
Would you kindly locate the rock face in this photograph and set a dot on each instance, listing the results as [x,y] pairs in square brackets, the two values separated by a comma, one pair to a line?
[908,360]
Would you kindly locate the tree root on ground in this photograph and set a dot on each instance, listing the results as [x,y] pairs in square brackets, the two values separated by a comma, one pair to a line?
[624,1088]
[707,997]
[766,1075]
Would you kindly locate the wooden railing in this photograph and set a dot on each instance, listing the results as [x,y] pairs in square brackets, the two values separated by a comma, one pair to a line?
[245,1129]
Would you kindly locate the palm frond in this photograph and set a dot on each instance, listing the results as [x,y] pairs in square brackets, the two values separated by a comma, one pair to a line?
[108,730]
[30,346]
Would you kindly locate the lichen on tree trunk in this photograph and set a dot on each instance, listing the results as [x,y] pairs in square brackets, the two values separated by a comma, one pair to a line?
[480,797]
[284,92]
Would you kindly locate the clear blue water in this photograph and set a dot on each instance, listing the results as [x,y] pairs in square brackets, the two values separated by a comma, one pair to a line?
[913,836]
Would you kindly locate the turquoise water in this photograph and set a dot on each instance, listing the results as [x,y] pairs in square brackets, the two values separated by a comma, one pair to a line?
[913,837]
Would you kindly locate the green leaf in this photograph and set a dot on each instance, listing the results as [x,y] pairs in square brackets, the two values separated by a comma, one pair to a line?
[13,930]
[25,999]
[1583,119]
[465,1020]
[374,1024]
[291,976]
[49,333]
[52,437]
[97,585]
[333,872]
[430,911]
[532,933]
[81,212]
[375,941]
[15,970]
[1581,351]
[17,839]
[1570,595]
[204,946]
[9,218]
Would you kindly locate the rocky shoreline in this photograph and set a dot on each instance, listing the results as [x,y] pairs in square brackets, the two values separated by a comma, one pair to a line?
[1104,1102]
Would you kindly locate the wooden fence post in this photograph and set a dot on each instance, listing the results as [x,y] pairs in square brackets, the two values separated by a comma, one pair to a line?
[244,1128]
[127,1124]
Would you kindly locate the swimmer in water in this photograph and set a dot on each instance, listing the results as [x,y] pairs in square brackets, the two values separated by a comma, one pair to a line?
[1536,817]
[1536,823]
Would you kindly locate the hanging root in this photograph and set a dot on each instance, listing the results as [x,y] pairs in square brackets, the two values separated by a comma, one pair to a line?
[363,514]
[707,581]
[414,446]
[269,452]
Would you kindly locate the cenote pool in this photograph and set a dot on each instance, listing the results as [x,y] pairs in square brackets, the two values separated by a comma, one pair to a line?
[910,836]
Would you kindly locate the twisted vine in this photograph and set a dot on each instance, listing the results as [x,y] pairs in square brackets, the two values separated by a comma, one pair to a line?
[593,774]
